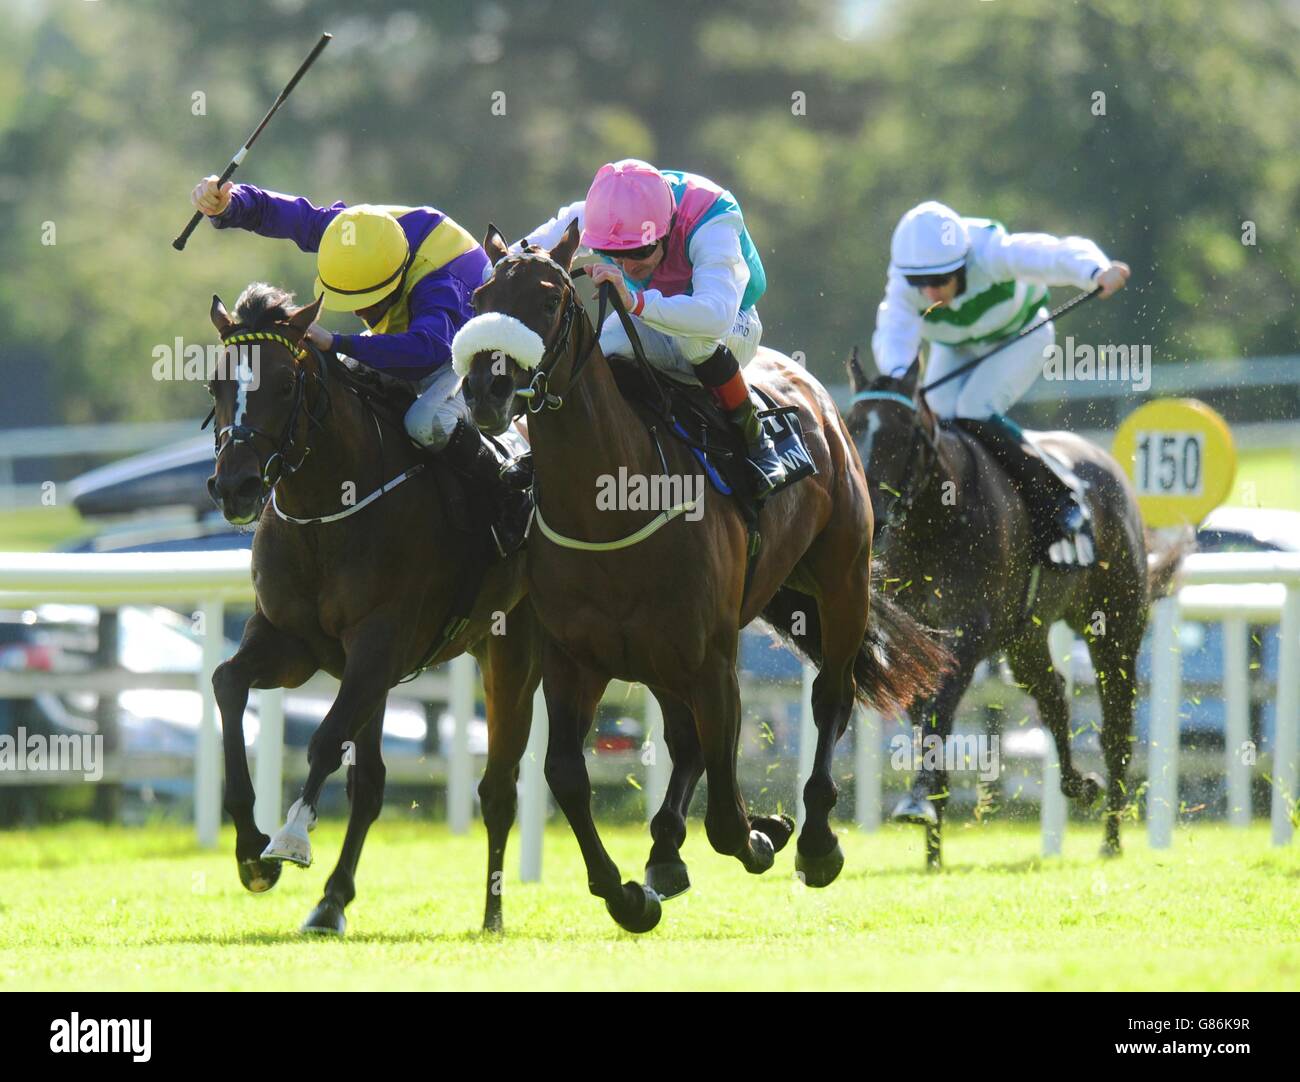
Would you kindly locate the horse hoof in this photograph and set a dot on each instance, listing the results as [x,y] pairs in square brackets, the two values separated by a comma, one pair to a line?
[820,871]
[760,854]
[326,919]
[493,924]
[1111,850]
[637,909]
[778,828]
[258,876]
[667,879]
[290,841]
[913,810]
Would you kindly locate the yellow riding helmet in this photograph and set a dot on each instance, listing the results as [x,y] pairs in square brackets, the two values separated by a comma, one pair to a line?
[361,258]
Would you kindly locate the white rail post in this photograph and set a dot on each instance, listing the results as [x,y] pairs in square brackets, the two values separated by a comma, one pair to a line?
[269,777]
[654,754]
[807,738]
[1052,811]
[460,766]
[1236,700]
[207,763]
[1162,751]
[532,794]
[1286,734]
[866,768]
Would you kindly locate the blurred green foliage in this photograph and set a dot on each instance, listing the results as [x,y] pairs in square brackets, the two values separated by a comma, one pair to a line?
[987,105]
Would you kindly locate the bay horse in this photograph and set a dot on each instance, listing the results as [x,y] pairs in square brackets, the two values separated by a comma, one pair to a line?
[363,596]
[620,597]
[958,543]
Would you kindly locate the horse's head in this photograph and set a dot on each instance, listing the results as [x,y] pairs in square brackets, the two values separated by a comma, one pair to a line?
[521,339]
[259,397]
[894,430]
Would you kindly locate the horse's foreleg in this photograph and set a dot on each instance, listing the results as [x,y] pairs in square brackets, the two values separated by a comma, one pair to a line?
[665,872]
[572,693]
[715,702]
[266,658]
[366,776]
[1115,663]
[511,665]
[367,675]
[925,802]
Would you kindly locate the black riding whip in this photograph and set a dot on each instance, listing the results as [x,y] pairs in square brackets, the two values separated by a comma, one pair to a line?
[179,242]
[1025,332]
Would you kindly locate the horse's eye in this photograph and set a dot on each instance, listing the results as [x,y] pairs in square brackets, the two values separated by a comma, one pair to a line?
[552,304]
[212,390]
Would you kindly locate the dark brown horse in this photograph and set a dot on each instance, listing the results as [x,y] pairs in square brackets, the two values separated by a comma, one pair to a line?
[958,547]
[664,606]
[361,595]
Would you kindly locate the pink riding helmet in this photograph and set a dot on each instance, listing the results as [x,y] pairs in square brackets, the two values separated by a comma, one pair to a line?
[629,205]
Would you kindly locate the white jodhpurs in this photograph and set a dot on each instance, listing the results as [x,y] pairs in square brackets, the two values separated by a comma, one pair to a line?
[678,356]
[439,409]
[991,387]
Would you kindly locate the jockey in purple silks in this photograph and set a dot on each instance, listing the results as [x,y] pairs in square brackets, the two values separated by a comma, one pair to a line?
[409,273]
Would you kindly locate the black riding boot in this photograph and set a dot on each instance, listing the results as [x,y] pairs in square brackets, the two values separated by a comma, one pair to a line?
[720,372]
[1061,519]
[469,452]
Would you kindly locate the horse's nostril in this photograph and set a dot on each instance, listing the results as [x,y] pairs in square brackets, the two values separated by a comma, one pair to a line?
[212,489]
[501,386]
[249,488]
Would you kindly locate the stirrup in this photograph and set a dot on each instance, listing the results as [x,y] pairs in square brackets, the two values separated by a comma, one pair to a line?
[768,465]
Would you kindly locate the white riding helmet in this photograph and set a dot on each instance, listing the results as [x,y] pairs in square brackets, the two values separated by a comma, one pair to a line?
[929,239]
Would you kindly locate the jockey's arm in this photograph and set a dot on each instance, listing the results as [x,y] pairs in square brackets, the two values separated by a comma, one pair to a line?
[719,276]
[548,234]
[1043,259]
[897,336]
[437,306]
[270,214]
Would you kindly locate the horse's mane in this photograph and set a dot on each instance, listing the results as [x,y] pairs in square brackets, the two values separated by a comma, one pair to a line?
[262,305]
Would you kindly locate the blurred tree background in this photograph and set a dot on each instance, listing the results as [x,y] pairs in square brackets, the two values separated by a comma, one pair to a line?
[827,119]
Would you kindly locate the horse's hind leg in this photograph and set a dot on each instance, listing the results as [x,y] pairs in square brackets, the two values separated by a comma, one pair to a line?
[366,776]
[266,658]
[511,665]
[572,693]
[665,872]
[1031,664]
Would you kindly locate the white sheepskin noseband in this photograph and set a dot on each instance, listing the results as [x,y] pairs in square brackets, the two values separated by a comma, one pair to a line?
[495,332]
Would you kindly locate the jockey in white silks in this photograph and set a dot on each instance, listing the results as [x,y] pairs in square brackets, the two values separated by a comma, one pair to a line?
[675,247]
[963,285]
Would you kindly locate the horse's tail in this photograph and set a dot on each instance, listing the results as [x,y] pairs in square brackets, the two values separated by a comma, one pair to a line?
[1164,553]
[898,663]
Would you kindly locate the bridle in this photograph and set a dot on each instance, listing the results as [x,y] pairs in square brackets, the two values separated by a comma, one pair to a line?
[277,464]
[900,503]
[536,395]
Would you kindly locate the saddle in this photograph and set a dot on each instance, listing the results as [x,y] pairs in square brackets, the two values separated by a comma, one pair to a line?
[1032,467]
[688,413]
